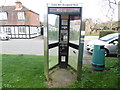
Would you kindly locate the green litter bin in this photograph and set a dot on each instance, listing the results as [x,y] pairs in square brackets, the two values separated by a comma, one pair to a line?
[98,58]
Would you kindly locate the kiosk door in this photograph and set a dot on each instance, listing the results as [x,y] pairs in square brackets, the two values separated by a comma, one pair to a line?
[53,39]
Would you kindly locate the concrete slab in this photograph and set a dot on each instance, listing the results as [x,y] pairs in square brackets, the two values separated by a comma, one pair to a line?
[61,78]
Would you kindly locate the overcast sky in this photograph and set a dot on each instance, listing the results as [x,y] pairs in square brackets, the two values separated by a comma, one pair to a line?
[95,9]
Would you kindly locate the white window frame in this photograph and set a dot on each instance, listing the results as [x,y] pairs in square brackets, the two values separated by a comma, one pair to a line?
[3,16]
[7,30]
[21,30]
[21,15]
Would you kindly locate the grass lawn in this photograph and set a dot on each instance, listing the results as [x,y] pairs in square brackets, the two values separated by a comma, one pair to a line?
[26,71]
[107,79]
[92,34]
[22,71]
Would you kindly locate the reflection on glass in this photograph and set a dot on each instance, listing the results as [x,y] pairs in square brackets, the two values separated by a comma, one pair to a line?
[53,57]
[73,58]
[53,28]
[75,29]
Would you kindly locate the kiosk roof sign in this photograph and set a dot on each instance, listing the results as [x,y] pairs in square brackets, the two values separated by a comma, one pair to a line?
[64,8]
[58,10]
[65,5]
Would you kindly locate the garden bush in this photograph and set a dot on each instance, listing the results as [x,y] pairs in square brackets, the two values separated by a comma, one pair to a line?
[106,32]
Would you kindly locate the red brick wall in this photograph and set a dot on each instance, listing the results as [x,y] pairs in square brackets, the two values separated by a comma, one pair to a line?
[31,18]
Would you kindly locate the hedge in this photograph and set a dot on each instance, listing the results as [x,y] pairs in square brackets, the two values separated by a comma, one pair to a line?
[106,32]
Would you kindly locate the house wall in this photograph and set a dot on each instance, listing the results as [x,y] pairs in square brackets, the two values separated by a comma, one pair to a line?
[12,19]
[30,19]
[27,28]
[15,32]
[33,19]
[31,24]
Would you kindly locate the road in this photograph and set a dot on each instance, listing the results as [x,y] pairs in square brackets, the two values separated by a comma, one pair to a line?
[31,46]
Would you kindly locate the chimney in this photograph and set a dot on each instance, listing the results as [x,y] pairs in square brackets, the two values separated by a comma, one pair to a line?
[18,5]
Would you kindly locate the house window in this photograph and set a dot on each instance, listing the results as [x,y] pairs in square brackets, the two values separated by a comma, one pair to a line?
[21,16]
[3,15]
[8,30]
[21,30]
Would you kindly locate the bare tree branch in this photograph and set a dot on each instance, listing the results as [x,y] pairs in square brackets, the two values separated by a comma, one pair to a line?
[92,25]
[112,2]
[111,8]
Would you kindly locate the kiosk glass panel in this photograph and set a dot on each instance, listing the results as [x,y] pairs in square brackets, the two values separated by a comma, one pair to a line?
[74,29]
[73,57]
[53,57]
[53,28]
[74,40]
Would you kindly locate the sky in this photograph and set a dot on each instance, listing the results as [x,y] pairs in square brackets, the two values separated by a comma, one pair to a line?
[95,9]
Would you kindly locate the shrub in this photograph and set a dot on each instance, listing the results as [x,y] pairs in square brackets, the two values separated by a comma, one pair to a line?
[106,32]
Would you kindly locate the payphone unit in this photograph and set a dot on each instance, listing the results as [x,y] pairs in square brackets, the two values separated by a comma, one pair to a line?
[63,43]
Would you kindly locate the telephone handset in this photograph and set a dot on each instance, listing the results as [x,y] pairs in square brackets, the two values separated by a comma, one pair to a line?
[64,37]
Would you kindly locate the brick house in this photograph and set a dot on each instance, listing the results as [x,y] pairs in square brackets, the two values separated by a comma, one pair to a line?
[19,22]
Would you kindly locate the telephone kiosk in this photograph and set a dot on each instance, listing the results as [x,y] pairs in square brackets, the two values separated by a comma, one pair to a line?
[69,18]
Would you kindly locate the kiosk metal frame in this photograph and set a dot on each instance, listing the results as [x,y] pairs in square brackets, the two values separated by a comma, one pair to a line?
[65,13]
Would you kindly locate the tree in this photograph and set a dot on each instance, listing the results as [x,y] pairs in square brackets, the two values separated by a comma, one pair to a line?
[112,5]
[91,25]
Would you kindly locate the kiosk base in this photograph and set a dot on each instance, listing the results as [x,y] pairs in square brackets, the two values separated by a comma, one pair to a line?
[61,78]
